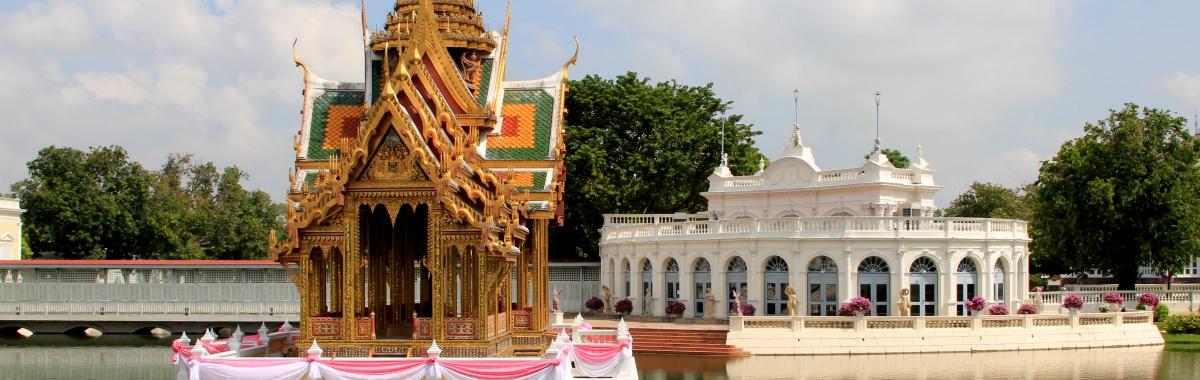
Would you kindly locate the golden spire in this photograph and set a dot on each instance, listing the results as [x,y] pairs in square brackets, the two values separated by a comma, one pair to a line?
[299,62]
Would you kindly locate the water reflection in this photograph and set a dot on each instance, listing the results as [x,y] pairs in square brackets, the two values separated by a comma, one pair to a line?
[1122,363]
[133,357]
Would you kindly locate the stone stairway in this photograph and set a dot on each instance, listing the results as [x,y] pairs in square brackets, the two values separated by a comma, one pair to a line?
[709,342]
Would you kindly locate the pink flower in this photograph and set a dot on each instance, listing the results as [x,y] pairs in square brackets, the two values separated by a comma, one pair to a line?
[1072,301]
[1027,309]
[1114,297]
[976,303]
[998,309]
[1148,299]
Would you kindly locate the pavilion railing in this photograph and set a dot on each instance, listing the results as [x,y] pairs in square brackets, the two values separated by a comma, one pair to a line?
[1175,300]
[638,228]
[800,323]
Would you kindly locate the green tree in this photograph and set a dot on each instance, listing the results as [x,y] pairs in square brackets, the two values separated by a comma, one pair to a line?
[641,147]
[894,156]
[98,204]
[1124,195]
[988,200]
[85,204]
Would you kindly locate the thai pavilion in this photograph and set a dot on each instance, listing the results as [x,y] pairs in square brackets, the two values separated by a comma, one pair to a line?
[830,234]
[420,199]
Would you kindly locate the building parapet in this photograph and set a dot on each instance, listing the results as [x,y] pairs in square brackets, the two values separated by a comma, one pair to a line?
[645,228]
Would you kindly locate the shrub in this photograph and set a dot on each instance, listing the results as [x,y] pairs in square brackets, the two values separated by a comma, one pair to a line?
[856,306]
[594,304]
[1072,301]
[1183,324]
[1028,308]
[623,306]
[675,307]
[1161,313]
[975,304]
[1148,300]
[748,309]
[998,309]
[1105,307]
[1114,297]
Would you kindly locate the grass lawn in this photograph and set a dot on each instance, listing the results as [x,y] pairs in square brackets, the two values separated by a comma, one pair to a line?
[1182,342]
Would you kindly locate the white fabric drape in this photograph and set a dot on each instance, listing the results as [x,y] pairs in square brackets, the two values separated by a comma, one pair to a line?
[213,371]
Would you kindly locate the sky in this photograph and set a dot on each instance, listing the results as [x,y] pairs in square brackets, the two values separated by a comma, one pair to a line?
[989,88]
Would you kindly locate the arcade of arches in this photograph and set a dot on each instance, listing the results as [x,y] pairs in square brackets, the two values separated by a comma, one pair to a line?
[937,282]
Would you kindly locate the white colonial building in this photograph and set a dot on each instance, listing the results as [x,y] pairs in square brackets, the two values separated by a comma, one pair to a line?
[10,228]
[830,234]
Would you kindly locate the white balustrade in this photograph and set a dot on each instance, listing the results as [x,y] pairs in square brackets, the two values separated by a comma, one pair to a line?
[813,227]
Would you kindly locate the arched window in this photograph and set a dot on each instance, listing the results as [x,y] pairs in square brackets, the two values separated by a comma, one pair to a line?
[702,283]
[923,265]
[736,265]
[735,282]
[923,287]
[775,281]
[671,277]
[822,286]
[874,283]
[967,266]
[776,264]
[822,264]
[965,278]
[998,282]
[873,264]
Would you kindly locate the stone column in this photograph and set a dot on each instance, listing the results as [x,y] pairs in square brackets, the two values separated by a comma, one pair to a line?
[897,280]
[720,288]
[848,286]
[658,290]
[798,279]
[635,284]
[946,286]
[687,288]
[756,289]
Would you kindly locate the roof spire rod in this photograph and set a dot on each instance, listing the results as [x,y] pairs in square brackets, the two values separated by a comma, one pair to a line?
[796,106]
[877,120]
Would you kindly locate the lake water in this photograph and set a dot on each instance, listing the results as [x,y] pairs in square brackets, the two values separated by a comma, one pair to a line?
[135,357]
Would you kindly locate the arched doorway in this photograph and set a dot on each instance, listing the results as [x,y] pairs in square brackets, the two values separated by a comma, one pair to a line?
[647,278]
[964,282]
[627,275]
[873,280]
[735,280]
[702,280]
[922,277]
[775,279]
[822,286]
[671,277]
[998,282]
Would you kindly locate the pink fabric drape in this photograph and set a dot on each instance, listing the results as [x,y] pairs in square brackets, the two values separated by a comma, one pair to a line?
[375,367]
[596,353]
[496,369]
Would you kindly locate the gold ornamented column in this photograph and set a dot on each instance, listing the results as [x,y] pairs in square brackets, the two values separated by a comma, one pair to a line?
[349,276]
[541,276]
[436,258]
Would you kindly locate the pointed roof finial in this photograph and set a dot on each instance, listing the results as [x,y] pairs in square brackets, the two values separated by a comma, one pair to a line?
[877,94]
[796,106]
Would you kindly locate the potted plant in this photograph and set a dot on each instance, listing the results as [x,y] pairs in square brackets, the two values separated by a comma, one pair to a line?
[1115,301]
[594,304]
[624,306]
[998,309]
[1072,302]
[748,309]
[975,304]
[1147,301]
[675,308]
[857,307]
[1028,308]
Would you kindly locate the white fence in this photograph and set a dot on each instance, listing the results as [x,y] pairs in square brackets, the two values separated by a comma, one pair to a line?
[1176,301]
[626,229]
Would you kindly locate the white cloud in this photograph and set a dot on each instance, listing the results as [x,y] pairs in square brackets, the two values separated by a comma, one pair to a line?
[112,86]
[1183,87]
[949,70]
[160,77]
